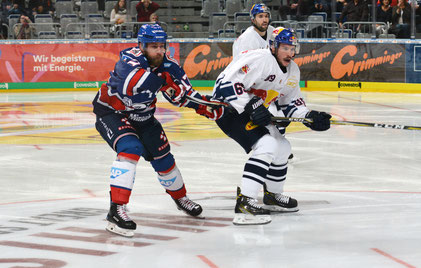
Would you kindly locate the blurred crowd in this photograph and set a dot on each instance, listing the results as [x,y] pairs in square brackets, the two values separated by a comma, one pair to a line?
[396,14]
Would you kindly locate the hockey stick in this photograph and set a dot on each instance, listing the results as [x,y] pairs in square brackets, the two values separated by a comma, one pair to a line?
[308,120]
[205,102]
[337,122]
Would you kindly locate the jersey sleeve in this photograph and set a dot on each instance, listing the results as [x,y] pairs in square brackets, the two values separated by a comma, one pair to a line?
[175,70]
[292,104]
[234,84]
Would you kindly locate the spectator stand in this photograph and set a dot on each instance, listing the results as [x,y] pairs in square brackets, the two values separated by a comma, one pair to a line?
[109,5]
[63,7]
[216,22]
[12,20]
[364,29]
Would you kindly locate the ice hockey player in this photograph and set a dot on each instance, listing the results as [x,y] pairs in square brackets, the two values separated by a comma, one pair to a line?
[125,107]
[260,84]
[257,35]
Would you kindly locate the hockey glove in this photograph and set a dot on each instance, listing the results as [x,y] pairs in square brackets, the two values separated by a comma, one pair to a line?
[259,114]
[173,88]
[211,112]
[321,120]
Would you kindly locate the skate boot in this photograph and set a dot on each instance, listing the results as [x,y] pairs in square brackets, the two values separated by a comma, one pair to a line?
[292,159]
[248,212]
[279,202]
[188,206]
[119,222]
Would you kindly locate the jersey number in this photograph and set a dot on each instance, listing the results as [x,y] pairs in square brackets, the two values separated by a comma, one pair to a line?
[239,88]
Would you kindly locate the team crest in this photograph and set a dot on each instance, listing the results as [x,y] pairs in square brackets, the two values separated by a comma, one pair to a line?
[292,82]
[245,69]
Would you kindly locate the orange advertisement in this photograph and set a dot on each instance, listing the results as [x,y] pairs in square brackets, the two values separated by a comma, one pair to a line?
[352,62]
[205,61]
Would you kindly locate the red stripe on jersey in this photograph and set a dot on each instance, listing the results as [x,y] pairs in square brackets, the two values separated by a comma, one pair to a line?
[111,100]
[152,105]
[133,81]
[168,170]
[133,157]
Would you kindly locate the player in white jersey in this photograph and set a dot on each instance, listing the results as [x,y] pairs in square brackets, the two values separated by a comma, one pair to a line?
[257,35]
[260,84]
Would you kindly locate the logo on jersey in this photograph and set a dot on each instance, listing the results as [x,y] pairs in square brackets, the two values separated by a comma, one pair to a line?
[139,118]
[163,137]
[167,183]
[268,96]
[110,133]
[116,172]
[270,78]
[292,82]
[245,69]
[129,104]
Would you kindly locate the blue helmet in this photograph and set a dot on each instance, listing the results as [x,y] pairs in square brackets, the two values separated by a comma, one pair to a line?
[151,33]
[259,8]
[287,36]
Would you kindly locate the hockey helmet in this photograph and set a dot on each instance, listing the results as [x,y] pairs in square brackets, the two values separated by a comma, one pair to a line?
[287,36]
[257,9]
[151,33]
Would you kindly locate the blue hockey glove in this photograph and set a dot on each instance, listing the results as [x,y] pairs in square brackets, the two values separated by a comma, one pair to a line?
[321,120]
[259,114]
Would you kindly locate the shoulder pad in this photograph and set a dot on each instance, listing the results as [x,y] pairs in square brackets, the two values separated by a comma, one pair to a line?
[134,57]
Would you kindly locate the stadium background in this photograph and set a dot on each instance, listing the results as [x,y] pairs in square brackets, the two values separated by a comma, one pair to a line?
[338,64]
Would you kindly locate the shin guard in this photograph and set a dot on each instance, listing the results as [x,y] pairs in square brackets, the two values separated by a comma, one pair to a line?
[121,181]
[173,183]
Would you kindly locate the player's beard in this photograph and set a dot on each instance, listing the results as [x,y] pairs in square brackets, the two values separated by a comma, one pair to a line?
[154,61]
[261,28]
[281,63]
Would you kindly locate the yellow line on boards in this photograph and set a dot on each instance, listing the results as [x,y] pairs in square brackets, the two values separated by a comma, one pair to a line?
[357,86]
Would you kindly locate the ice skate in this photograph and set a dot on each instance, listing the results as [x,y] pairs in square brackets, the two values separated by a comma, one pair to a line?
[248,212]
[292,159]
[119,222]
[188,206]
[279,202]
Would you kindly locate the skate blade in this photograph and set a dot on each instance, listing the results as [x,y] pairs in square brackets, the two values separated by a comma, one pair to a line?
[248,219]
[278,209]
[113,228]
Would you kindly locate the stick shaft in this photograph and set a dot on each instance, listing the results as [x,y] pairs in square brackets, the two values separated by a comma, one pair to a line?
[308,120]
[205,102]
[352,123]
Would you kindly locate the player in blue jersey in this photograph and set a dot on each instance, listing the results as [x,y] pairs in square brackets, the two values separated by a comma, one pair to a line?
[125,107]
